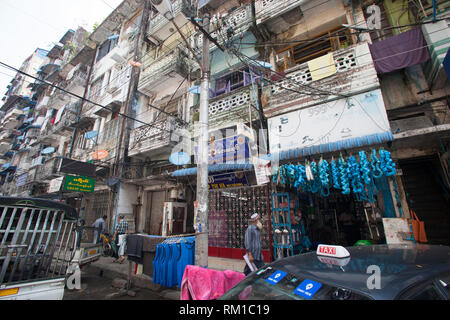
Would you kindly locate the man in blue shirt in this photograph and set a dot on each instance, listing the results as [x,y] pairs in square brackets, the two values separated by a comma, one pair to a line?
[253,243]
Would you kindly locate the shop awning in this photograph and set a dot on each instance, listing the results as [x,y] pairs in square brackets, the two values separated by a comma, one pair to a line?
[404,50]
[373,139]
[214,168]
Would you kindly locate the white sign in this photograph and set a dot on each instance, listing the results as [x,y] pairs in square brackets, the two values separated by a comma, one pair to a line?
[262,170]
[55,185]
[336,125]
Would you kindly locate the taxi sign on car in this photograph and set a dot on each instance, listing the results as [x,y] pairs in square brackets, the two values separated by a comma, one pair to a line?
[332,251]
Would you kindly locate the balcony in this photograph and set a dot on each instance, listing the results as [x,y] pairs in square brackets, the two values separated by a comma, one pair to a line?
[437,36]
[267,10]
[147,141]
[4,147]
[355,74]
[49,169]
[59,99]
[43,103]
[160,28]
[5,136]
[240,20]
[172,66]
[228,109]
[77,83]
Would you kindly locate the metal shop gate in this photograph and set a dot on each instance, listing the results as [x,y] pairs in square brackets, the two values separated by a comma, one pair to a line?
[229,214]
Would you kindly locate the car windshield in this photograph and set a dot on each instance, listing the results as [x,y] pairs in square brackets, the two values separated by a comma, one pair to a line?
[264,286]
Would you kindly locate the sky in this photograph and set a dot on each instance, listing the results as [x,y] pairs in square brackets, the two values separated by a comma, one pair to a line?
[30,24]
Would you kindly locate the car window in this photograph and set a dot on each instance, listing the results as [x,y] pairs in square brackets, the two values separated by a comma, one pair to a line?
[257,287]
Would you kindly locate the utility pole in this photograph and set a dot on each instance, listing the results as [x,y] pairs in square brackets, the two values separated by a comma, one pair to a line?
[201,215]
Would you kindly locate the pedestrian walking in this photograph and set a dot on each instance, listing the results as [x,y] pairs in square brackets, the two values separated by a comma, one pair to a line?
[253,243]
[121,235]
[100,227]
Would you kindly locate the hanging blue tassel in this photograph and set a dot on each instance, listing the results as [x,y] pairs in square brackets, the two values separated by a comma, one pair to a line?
[387,165]
[365,167]
[355,175]
[344,177]
[375,164]
[324,175]
[335,175]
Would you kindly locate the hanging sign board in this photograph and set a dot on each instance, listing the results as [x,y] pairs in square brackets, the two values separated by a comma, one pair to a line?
[227,180]
[79,184]
[234,149]
[345,123]
[100,155]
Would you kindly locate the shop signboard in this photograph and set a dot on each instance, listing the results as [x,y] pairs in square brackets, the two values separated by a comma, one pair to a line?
[77,167]
[79,184]
[227,180]
[235,149]
[345,123]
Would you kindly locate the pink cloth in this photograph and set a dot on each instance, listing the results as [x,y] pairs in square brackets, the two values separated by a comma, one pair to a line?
[204,284]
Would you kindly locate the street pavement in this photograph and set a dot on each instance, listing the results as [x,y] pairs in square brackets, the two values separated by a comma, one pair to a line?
[94,286]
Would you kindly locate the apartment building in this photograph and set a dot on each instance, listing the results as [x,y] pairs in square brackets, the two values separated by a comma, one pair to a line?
[318,79]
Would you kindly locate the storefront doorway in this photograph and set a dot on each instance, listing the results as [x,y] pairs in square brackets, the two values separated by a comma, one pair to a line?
[428,195]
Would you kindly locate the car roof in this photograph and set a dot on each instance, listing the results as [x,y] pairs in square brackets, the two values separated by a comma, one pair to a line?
[401,266]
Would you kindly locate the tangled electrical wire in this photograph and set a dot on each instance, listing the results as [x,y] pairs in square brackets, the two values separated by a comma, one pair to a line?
[347,175]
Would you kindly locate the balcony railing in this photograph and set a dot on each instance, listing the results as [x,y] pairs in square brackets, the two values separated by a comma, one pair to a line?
[49,169]
[355,74]
[228,109]
[269,9]
[151,138]
[158,71]
[158,21]
[240,20]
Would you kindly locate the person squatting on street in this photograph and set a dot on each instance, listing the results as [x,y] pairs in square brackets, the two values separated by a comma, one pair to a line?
[253,243]
[121,235]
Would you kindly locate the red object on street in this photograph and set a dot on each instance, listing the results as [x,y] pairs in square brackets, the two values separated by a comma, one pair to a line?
[205,284]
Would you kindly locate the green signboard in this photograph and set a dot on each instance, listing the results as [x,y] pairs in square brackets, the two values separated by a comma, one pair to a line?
[79,184]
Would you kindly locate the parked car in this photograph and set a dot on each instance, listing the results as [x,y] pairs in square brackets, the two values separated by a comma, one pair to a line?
[379,272]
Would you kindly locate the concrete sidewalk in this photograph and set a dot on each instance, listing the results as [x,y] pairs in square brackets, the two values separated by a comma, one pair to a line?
[111,270]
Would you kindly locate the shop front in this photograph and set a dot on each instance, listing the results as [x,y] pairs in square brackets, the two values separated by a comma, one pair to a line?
[333,176]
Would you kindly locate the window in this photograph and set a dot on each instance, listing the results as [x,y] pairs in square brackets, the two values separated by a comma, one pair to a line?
[106,47]
[293,55]
[233,81]
[96,87]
